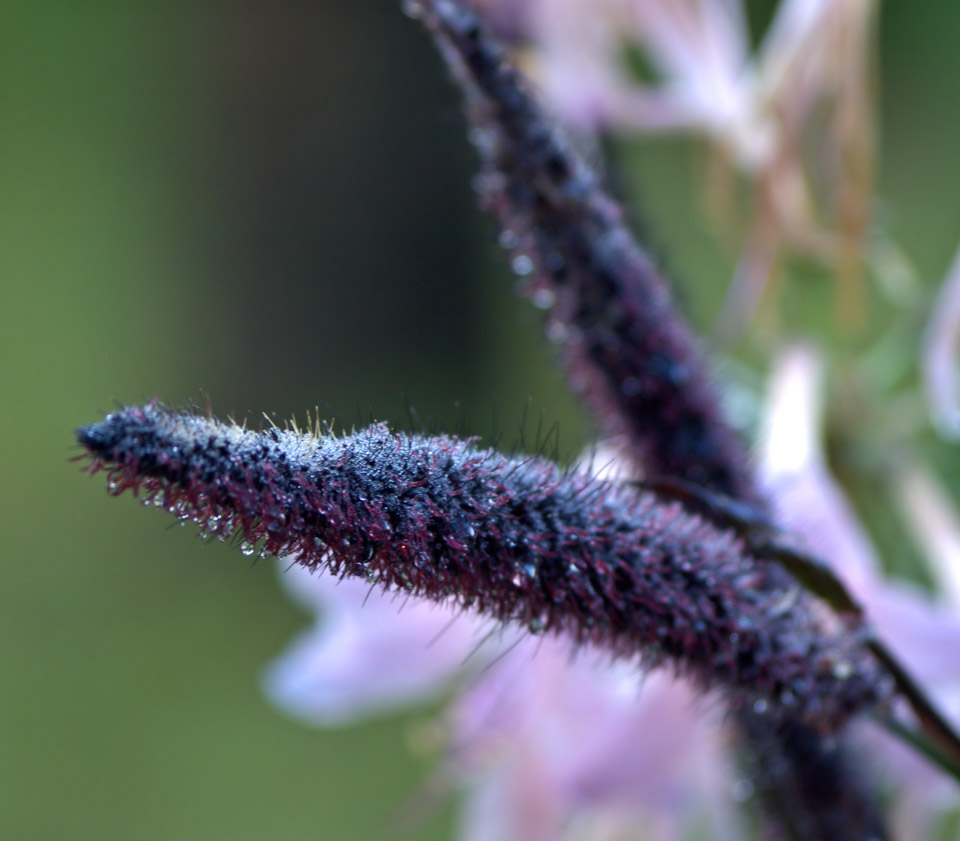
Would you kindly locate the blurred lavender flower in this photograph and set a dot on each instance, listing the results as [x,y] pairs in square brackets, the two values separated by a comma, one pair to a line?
[793,116]
[368,652]
[940,357]
[922,629]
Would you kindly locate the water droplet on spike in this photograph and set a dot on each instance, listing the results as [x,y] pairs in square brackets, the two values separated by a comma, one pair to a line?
[247,548]
[522,265]
[742,791]
[557,332]
[841,671]
[413,8]
[543,299]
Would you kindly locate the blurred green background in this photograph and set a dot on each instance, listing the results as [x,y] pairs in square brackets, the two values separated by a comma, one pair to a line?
[269,204]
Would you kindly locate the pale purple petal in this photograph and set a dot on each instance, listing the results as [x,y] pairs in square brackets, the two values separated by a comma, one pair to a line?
[923,634]
[368,652]
[810,503]
[941,352]
[701,49]
[932,517]
[514,799]
[698,50]
[805,497]
[610,745]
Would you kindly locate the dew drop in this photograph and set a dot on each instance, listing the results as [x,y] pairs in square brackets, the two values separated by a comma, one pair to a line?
[486,183]
[557,332]
[508,239]
[742,791]
[760,707]
[543,299]
[522,265]
[555,262]
[247,548]
[482,140]
[842,670]
[535,626]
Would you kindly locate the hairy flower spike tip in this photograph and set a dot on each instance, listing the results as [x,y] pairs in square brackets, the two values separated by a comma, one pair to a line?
[516,539]
[628,352]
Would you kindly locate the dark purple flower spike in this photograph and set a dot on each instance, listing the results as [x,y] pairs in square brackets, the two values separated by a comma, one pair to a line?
[517,539]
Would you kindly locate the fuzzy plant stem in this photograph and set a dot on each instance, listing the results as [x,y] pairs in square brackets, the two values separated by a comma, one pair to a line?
[517,539]
[636,365]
